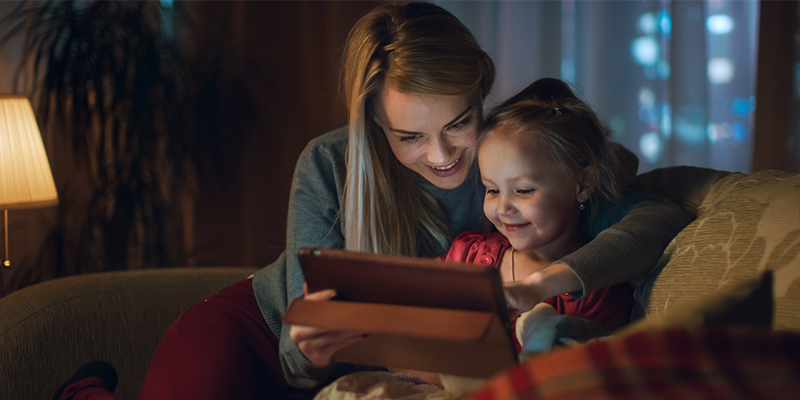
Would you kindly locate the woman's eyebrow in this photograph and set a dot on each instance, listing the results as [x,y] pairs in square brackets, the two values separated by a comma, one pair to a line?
[459,116]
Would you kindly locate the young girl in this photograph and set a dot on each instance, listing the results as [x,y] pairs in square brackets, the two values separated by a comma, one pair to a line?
[546,164]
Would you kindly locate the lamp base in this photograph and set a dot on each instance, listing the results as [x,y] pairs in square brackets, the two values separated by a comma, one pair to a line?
[7,262]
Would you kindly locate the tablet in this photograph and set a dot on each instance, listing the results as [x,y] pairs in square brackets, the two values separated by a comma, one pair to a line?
[418,313]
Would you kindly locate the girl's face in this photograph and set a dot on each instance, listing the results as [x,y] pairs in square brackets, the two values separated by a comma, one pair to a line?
[528,198]
[432,135]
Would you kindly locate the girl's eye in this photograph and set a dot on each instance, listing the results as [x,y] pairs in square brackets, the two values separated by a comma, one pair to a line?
[525,191]
[491,191]
[409,138]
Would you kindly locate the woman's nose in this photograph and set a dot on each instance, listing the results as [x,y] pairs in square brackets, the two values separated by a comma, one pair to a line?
[439,151]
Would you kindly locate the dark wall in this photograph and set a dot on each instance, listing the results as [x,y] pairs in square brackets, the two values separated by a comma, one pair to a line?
[290,53]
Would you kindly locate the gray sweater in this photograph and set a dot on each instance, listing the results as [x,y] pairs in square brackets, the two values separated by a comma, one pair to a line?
[638,231]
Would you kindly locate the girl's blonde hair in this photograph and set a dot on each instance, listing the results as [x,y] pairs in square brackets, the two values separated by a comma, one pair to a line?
[416,48]
[552,120]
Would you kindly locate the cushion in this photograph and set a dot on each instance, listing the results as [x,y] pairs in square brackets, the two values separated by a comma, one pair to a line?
[745,224]
[675,363]
[744,304]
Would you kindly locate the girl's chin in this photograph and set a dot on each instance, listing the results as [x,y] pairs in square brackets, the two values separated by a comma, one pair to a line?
[518,245]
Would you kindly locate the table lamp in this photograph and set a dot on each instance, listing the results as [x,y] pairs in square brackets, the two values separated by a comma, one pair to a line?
[25,177]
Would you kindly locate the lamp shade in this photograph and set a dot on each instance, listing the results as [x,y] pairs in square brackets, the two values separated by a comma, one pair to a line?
[25,177]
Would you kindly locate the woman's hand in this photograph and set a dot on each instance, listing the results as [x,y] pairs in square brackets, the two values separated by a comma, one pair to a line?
[521,297]
[319,344]
[539,286]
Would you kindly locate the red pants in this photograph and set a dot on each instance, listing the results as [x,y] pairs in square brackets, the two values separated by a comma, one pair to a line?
[221,348]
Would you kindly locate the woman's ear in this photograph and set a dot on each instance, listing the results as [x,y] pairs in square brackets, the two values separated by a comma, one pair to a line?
[585,184]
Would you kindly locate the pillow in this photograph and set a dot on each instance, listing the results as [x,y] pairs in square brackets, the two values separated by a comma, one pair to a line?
[675,363]
[746,224]
[744,304]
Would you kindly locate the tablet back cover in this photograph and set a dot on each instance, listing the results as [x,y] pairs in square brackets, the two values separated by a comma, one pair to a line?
[419,314]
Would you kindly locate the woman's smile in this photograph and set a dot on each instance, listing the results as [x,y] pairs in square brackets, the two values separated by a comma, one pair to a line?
[447,170]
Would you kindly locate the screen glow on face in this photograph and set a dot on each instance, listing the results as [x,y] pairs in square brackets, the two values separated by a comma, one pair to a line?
[432,135]
[528,198]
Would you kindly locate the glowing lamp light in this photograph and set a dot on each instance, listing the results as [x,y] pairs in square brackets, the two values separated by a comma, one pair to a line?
[720,71]
[645,50]
[650,145]
[666,22]
[719,24]
[666,120]
[647,23]
[25,177]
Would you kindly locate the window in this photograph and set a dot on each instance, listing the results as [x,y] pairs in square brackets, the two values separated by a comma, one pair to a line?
[674,79]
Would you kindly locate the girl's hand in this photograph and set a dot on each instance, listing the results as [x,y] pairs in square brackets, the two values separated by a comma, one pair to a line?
[319,344]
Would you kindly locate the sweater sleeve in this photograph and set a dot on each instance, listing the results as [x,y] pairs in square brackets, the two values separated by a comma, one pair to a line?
[312,222]
[632,235]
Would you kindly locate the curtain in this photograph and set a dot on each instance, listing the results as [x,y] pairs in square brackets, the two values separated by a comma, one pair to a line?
[673,79]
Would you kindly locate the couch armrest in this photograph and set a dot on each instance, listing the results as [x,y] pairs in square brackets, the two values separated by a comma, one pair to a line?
[50,329]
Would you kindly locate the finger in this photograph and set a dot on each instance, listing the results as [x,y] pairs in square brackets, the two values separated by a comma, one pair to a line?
[326,294]
[321,348]
[305,289]
[314,335]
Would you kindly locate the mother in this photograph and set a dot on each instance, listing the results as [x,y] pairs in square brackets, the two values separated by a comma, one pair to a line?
[400,179]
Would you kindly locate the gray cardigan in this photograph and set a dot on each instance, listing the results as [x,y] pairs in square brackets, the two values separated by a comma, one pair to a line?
[629,248]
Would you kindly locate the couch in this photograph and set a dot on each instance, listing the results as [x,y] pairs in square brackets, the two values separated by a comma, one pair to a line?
[48,330]
[713,272]
[744,225]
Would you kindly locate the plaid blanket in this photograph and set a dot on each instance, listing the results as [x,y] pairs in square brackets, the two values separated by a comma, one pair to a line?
[676,364]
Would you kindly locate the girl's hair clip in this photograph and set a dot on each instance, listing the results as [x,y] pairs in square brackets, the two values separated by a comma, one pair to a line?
[556,108]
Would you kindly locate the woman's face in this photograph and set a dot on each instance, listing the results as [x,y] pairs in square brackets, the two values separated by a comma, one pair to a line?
[432,135]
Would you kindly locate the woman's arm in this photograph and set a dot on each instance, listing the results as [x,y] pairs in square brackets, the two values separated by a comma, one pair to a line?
[629,238]
[633,234]
[522,296]
[313,221]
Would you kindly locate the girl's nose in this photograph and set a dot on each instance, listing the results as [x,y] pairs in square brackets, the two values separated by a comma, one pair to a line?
[505,207]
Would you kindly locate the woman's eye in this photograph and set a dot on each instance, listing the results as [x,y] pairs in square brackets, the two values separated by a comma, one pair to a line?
[459,125]
[409,138]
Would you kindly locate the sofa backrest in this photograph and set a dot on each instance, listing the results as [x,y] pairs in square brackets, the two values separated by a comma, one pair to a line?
[744,224]
[48,330]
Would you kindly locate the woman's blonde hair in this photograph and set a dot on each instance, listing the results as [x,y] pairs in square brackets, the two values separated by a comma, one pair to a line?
[552,120]
[416,48]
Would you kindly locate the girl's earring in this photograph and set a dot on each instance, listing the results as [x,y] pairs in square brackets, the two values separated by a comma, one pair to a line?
[581,206]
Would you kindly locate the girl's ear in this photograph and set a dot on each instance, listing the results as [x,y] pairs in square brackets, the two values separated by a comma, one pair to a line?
[585,185]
